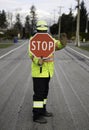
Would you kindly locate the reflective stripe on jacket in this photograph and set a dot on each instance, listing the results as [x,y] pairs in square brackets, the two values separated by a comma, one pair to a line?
[48,65]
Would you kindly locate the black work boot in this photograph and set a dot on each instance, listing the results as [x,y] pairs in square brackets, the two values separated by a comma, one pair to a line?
[40,120]
[47,114]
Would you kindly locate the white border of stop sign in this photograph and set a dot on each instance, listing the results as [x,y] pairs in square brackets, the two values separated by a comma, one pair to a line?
[44,45]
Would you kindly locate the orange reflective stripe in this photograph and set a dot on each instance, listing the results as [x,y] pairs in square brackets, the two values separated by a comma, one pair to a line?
[49,59]
[52,56]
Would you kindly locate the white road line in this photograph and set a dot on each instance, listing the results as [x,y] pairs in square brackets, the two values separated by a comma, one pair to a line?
[11,51]
[71,86]
[79,53]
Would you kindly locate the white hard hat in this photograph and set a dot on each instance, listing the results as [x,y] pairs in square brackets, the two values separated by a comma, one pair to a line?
[42,25]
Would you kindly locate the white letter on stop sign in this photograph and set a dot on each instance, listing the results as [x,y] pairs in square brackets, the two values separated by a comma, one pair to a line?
[33,45]
[44,45]
[37,45]
[50,45]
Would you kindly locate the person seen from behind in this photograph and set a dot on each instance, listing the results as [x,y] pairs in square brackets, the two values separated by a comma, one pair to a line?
[41,79]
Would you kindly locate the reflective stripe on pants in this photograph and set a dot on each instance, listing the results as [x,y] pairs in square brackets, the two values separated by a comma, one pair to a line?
[45,101]
[38,104]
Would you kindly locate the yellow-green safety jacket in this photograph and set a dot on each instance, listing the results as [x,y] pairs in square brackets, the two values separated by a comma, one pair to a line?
[47,66]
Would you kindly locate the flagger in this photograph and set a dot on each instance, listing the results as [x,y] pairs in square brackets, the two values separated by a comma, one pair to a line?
[41,79]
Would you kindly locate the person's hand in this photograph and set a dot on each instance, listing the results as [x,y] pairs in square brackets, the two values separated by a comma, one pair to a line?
[40,62]
[63,39]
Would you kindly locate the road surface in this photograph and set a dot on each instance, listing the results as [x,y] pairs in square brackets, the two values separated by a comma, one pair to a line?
[68,95]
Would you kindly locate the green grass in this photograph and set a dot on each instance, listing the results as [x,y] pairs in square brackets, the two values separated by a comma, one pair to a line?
[84,47]
[5,45]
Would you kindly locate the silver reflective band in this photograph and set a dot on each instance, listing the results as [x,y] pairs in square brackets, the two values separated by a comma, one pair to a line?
[38,104]
[45,101]
[42,26]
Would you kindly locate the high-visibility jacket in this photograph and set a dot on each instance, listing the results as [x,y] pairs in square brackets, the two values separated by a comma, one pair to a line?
[48,64]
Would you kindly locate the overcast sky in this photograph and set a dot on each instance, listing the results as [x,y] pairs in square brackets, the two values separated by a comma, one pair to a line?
[46,9]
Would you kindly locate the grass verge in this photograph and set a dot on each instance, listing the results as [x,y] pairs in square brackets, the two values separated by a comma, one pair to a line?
[84,47]
[5,45]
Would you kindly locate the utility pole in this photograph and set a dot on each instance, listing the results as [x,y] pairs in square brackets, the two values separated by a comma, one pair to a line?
[86,30]
[78,24]
[59,29]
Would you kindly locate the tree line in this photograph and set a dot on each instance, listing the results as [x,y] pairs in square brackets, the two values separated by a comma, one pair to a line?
[11,29]
[68,23]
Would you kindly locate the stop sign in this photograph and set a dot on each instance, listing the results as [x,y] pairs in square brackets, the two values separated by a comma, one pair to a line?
[42,45]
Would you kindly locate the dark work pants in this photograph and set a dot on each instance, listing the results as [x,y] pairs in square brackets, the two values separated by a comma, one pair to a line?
[40,88]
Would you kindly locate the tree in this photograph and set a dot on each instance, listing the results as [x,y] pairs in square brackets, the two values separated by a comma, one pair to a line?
[67,22]
[27,27]
[33,18]
[54,29]
[83,17]
[9,18]
[18,25]
[3,20]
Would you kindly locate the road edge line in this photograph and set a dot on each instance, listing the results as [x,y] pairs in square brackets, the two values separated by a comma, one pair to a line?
[10,51]
[78,52]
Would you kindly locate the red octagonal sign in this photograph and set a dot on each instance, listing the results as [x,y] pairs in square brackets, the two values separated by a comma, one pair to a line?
[42,45]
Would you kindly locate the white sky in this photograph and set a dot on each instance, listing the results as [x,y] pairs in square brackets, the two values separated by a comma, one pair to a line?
[45,8]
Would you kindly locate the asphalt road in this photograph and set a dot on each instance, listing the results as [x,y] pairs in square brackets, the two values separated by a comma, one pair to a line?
[68,95]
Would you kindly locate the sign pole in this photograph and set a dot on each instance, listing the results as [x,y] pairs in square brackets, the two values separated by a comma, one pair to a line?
[41,66]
